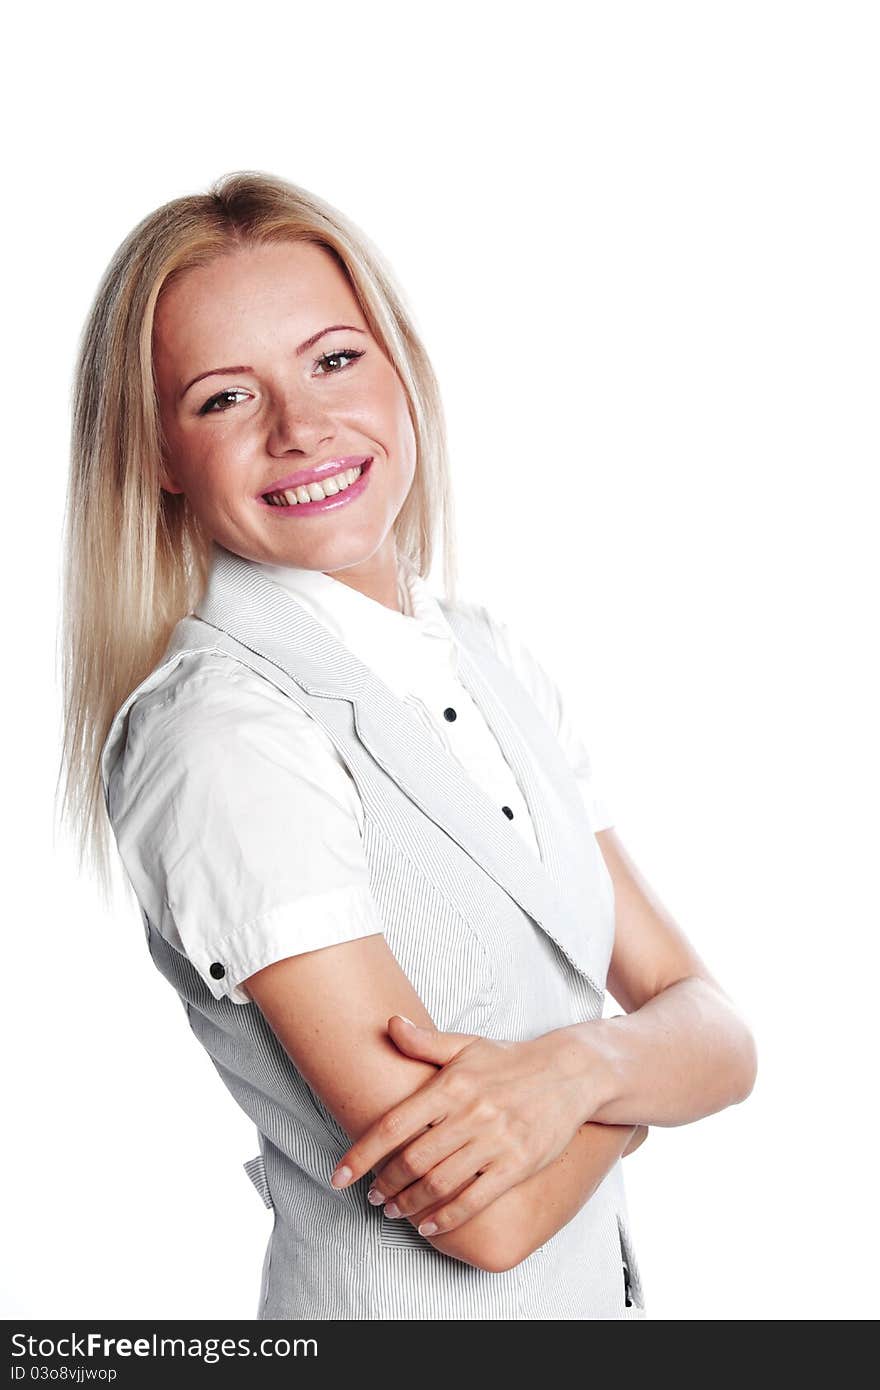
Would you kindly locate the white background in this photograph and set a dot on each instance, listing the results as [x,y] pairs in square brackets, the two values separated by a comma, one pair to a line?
[640,242]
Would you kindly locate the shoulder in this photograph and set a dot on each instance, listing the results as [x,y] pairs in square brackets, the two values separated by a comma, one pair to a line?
[208,724]
[206,699]
[479,623]
[238,824]
[475,621]
[199,687]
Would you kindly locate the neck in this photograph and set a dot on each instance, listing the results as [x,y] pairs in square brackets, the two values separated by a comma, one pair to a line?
[376,577]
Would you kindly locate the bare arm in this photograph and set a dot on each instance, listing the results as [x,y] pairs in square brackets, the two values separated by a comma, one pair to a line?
[526,1216]
[681,1051]
[329,1009]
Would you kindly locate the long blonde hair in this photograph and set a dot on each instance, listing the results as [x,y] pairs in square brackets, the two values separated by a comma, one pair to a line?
[135,557]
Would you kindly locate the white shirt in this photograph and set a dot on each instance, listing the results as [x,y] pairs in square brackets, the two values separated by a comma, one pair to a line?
[237,821]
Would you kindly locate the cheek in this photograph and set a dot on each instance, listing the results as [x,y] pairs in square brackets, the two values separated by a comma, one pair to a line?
[212,454]
[386,401]
[408,447]
[204,474]
[400,423]
[196,472]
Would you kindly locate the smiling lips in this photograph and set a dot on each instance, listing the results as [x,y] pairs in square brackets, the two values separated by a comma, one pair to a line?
[329,484]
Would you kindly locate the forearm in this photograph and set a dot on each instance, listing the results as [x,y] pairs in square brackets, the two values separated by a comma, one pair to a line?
[684,1054]
[527,1215]
[549,1199]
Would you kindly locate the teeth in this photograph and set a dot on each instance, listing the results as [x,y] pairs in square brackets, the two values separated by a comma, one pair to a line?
[315,492]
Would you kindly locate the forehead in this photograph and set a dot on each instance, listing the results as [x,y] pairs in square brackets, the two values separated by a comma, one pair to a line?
[253,291]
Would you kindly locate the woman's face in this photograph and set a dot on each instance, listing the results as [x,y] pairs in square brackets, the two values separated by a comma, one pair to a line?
[284,390]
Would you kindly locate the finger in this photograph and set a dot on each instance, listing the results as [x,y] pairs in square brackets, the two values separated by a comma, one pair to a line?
[418,1157]
[444,1182]
[427,1044]
[485,1189]
[393,1129]
[383,1184]
[418,1218]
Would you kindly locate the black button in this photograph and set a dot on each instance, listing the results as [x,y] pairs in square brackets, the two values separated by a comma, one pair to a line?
[450,714]
[507,811]
[218,970]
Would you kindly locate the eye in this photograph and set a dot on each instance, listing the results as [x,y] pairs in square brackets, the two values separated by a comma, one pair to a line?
[207,408]
[211,405]
[334,357]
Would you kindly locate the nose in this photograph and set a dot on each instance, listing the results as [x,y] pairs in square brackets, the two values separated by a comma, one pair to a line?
[298,425]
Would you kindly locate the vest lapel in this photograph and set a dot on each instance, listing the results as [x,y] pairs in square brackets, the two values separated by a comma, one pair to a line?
[562,891]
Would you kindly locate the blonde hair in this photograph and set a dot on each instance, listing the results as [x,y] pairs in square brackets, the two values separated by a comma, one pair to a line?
[135,557]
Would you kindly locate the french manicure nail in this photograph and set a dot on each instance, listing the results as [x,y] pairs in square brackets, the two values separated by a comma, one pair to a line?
[392,1209]
[341,1176]
[374,1197]
[427,1228]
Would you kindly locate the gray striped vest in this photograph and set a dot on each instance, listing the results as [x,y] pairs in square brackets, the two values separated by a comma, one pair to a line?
[495,941]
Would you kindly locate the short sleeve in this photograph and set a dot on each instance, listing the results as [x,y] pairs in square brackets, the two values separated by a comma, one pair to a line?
[513,651]
[238,825]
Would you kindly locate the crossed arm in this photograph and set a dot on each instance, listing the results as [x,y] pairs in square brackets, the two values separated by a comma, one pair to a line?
[680,1052]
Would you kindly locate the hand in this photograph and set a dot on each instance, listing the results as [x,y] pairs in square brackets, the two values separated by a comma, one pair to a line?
[494,1114]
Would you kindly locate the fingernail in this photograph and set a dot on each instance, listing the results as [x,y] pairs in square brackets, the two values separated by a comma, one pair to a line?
[374,1197]
[427,1228]
[392,1209]
[341,1176]
[407,1020]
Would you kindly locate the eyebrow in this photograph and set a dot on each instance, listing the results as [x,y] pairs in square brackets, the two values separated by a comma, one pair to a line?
[303,347]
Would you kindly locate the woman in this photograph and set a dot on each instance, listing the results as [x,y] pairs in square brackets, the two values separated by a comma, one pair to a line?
[360,830]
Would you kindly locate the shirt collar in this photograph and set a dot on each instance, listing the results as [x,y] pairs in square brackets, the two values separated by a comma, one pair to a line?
[404,649]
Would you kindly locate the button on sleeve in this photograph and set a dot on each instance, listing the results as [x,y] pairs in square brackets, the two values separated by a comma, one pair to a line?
[233,809]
